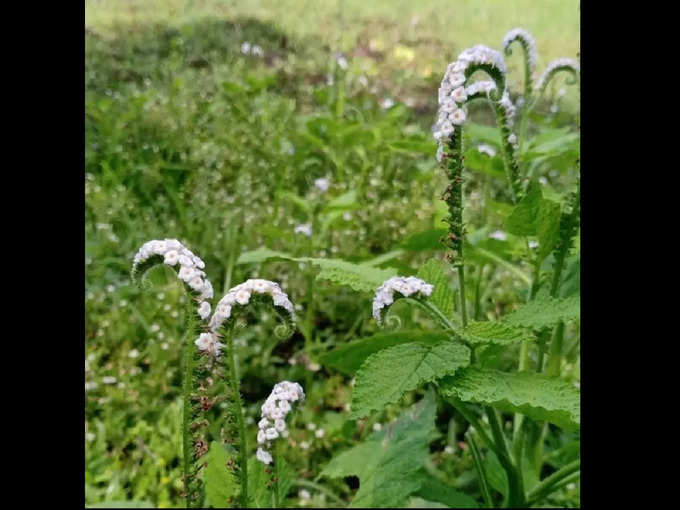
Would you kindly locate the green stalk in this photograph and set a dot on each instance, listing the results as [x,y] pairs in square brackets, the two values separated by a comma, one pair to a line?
[277,474]
[508,152]
[320,488]
[435,313]
[481,473]
[461,284]
[187,443]
[551,482]
[238,412]
[515,482]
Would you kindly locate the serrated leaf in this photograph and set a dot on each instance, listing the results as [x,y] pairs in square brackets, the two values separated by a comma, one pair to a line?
[348,357]
[494,332]
[546,311]
[539,397]
[386,462]
[433,489]
[547,227]
[221,485]
[388,374]
[438,274]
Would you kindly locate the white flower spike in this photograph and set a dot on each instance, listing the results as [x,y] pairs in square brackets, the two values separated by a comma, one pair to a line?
[274,411]
[408,286]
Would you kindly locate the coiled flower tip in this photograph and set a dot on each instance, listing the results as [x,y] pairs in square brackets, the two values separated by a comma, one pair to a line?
[560,64]
[189,268]
[274,412]
[240,295]
[408,286]
[480,89]
[526,40]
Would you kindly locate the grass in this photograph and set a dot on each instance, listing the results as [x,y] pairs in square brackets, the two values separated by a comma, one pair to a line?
[188,137]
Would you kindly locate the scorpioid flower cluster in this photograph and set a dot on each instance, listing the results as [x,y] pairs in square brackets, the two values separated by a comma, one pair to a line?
[190,268]
[239,295]
[555,65]
[453,94]
[274,411]
[384,296]
[526,40]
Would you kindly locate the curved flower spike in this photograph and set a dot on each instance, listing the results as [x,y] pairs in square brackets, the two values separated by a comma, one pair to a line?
[241,295]
[188,266]
[407,287]
[274,412]
[530,54]
[561,64]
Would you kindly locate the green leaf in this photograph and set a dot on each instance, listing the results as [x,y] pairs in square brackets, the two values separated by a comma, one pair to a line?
[433,489]
[358,277]
[522,220]
[414,145]
[438,274]
[547,227]
[262,255]
[495,474]
[283,472]
[258,494]
[348,357]
[388,374]
[539,397]
[387,461]
[345,201]
[426,240]
[545,311]
[221,485]
[494,332]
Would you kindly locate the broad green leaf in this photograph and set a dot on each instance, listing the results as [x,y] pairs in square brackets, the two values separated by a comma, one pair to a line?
[348,357]
[388,374]
[547,227]
[285,479]
[494,332]
[433,489]
[345,201]
[522,220]
[388,459]
[221,484]
[262,255]
[495,474]
[415,145]
[545,311]
[539,397]
[439,275]
[358,277]
[426,240]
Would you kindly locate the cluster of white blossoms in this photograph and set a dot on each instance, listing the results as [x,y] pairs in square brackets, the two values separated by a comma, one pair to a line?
[525,37]
[556,64]
[240,295]
[452,92]
[480,87]
[274,411]
[191,266]
[408,286]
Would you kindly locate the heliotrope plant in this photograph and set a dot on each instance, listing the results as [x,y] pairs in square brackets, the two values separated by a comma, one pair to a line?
[389,365]
[207,344]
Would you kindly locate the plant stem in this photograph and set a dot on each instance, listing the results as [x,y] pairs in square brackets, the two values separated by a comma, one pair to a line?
[238,408]
[461,284]
[515,482]
[483,484]
[548,485]
[435,312]
[320,488]
[187,387]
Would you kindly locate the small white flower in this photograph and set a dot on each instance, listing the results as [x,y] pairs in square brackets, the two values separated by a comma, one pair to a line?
[242,297]
[108,380]
[377,426]
[512,138]
[322,183]
[459,95]
[320,433]
[271,433]
[533,244]
[280,425]
[304,494]
[261,437]
[160,247]
[204,341]
[342,62]
[448,450]
[456,79]
[284,406]
[498,235]
[184,260]
[245,48]
[263,456]
[257,51]
[196,283]
[458,117]
[134,353]
[486,149]
[186,273]
[171,257]
[387,103]
[305,229]
[304,445]
[204,310]
[207,290]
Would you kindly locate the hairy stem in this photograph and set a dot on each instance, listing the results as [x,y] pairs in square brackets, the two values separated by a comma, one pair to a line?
[238,412]
[515,482]
[508,152]
[552,482]
[187,385]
